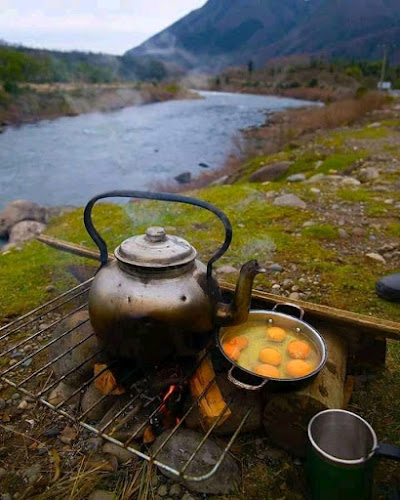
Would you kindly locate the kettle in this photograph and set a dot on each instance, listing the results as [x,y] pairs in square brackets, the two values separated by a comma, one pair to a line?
[156,299]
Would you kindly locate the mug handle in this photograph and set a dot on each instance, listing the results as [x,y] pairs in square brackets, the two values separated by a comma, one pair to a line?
[386,450]
[242,385]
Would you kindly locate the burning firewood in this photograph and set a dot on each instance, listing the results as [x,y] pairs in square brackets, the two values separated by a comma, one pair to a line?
[105,381]
[212,403]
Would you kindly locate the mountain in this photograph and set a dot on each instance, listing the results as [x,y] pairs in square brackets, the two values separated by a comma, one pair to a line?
[230,32]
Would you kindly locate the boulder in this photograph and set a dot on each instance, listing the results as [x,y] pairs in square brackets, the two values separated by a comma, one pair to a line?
[289,200]
[183,178]
[181,446]
[20,210]
[221,181]
[296,178]
[25,230]
[368,174]
[82,335]
[270,172]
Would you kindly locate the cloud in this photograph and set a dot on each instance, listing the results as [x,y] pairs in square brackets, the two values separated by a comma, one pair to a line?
[88,24]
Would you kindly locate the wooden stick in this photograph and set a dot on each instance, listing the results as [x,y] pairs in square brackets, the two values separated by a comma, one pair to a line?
[368,325]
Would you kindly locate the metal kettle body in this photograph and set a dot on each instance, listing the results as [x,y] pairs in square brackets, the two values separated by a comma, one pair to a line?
[156,298]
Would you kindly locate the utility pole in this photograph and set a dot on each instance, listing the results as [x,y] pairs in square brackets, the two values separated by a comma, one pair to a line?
[384,61]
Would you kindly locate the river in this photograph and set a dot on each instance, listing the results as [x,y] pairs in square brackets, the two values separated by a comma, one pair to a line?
[68,160]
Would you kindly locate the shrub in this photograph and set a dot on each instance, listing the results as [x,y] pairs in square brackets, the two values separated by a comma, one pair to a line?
[10,87]
[360,92]
[313,83]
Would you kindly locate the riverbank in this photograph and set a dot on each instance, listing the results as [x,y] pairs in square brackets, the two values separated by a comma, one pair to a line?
[31,103]
[318,205]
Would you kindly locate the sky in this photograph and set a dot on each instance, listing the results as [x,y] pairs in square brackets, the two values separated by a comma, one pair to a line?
[111,26]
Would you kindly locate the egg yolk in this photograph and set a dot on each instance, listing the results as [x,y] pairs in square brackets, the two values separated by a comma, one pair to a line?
[298,349]
[240,341]
[276,334]
[270,356]
[267,371]
[298,368]
[231,350]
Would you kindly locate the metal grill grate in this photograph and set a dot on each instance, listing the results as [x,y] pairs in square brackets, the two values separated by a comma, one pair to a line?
[39,379]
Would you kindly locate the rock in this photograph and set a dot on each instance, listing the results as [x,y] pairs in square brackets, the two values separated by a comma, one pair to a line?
[32,474]
[276,268]
[23,405]
[309,223]
[350,181]
[368,174]
[270,172]
[102,495]
[183,178]
[342,233]
[2,404]
[20,210]
[175,490]
[316,178]
[294,296]
[187,496]
[93,397]
[178,450]
[53,432]
[50,288]
[93,445]
[63,392]
[276,287]
[84,350]
[289,200]
[204,165]
[296,178]
[25,230]
[27,363]
[68,435]
[221,181]
[315,190]
[6,496]
[3,472]
[376,257]
[226,270]
[162,490]
[118,452]
[358,231]
[375,125]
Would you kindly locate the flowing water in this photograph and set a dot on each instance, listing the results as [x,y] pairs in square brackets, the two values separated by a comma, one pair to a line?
[68,160]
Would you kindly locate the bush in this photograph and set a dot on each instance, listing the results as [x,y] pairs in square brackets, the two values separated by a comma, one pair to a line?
[10,87]
[313,83]
[360,92]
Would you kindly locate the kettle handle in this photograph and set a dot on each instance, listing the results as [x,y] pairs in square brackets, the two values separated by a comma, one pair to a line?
[147,195]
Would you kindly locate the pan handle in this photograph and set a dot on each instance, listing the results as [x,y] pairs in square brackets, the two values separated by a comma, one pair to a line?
[386,450]
[242,385]
[298,310]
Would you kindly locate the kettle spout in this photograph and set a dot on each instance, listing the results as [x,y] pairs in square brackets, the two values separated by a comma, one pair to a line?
[237,312]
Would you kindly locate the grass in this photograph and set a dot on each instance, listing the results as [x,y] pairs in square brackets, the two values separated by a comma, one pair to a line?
[321,232]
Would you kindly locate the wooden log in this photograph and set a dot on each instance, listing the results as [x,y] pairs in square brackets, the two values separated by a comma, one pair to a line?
[286,414]
[211,404]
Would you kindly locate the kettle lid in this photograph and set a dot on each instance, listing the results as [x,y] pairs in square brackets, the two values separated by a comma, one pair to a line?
[155,249]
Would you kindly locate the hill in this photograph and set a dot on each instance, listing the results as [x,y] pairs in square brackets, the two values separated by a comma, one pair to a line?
[230,32]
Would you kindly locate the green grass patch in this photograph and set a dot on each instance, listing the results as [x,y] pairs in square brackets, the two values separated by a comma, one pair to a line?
[370,133]
[339,161]
[321,232]
[354,195]
[393,228]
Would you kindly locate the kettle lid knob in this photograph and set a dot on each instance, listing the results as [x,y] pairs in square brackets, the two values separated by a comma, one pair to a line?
[155,234]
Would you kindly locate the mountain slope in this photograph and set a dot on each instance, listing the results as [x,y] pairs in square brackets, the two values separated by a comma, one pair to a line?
[226,32]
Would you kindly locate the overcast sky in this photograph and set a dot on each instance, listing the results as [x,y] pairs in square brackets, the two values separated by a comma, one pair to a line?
[111,26]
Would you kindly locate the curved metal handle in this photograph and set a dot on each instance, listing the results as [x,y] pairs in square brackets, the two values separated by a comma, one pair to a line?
[242,385]
[285,304]
[391,451]
[147,195]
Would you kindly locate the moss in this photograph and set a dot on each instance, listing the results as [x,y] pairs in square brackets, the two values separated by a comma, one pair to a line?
[393,229]
[370,133]
[354,195]
[321,232]
[339,161]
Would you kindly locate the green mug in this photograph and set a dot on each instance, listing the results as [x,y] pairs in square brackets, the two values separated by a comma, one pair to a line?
[342,451]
